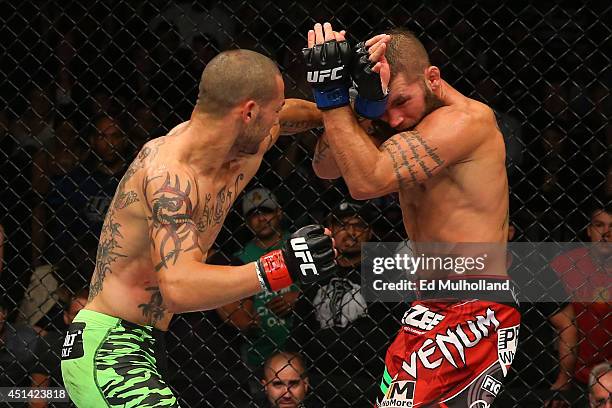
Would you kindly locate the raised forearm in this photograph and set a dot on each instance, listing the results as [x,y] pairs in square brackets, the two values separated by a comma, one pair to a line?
[323,162]
[194,286]
[298,116]
[354,152]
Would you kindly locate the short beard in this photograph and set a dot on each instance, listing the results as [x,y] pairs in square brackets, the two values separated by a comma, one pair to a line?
[245,142]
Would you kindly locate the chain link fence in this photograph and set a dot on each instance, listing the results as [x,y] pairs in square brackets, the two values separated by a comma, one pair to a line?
[72,68]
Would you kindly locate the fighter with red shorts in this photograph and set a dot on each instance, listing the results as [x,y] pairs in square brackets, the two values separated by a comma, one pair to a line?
[446,161]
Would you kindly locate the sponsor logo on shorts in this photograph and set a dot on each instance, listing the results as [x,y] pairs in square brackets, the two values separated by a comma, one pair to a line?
[399,394]
[507,340]
[420,319]
[452,344]
[491,385]
[73,342]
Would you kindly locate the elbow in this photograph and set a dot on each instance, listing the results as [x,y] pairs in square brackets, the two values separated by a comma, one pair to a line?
[325,173]
[168,289]
[364,191]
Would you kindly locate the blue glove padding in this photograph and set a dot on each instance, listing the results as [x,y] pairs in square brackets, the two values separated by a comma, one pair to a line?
[327,72]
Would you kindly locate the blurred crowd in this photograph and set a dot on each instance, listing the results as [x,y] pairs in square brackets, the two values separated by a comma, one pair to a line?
[85,88]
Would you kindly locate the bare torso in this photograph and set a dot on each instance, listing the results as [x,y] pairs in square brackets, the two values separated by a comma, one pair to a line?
[125,281]
[467,201]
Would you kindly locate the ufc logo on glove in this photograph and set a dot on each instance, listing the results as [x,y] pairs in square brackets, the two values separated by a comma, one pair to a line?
[301,251]
[321,76]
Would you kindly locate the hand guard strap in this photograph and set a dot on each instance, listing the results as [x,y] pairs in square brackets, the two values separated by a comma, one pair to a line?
[331,98]
[273,271]
[370,109]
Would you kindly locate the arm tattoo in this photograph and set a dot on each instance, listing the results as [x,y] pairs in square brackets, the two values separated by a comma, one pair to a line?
[124,199]
[288,127]
[178,221]
[172,216]
[430,152]
[415,152]
[153,311]
[396,154]
[107,252]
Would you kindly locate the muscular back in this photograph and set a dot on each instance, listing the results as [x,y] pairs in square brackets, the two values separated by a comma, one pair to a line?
[163,212]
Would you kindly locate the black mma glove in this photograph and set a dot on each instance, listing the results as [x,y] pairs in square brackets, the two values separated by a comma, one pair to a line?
[327,72]
[371,100]
[307,256]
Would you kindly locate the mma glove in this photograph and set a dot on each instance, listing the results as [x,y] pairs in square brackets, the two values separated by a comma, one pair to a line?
[327,72]
[371,100]
[307,256]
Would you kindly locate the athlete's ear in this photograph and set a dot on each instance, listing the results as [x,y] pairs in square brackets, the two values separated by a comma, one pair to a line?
[250,109]
[432,76]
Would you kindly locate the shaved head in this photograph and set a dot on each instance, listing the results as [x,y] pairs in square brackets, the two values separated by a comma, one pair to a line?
[236,76]
[282,360]
[406,54]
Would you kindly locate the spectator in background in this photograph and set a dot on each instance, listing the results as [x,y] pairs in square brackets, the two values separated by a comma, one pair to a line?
[285,381]
[546,357]
[510,127]
[171,83]
[79,199]
[34,128]
[63,155]
[140,72]
[2,242]
[7,142]
[600,386]
[47,372]
[191,19]
[339,334]
[17,345]
[206,364]
[146,125]
[205,47]
[265,318]
[585,272]
[608,186]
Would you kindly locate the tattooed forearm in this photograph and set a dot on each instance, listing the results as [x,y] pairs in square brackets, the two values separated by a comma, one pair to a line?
[153,311]
[288,127]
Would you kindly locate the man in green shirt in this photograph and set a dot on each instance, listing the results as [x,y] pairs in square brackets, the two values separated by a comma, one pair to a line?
[264,318]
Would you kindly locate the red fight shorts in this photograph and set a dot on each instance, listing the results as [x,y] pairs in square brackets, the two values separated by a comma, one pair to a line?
[450,353]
